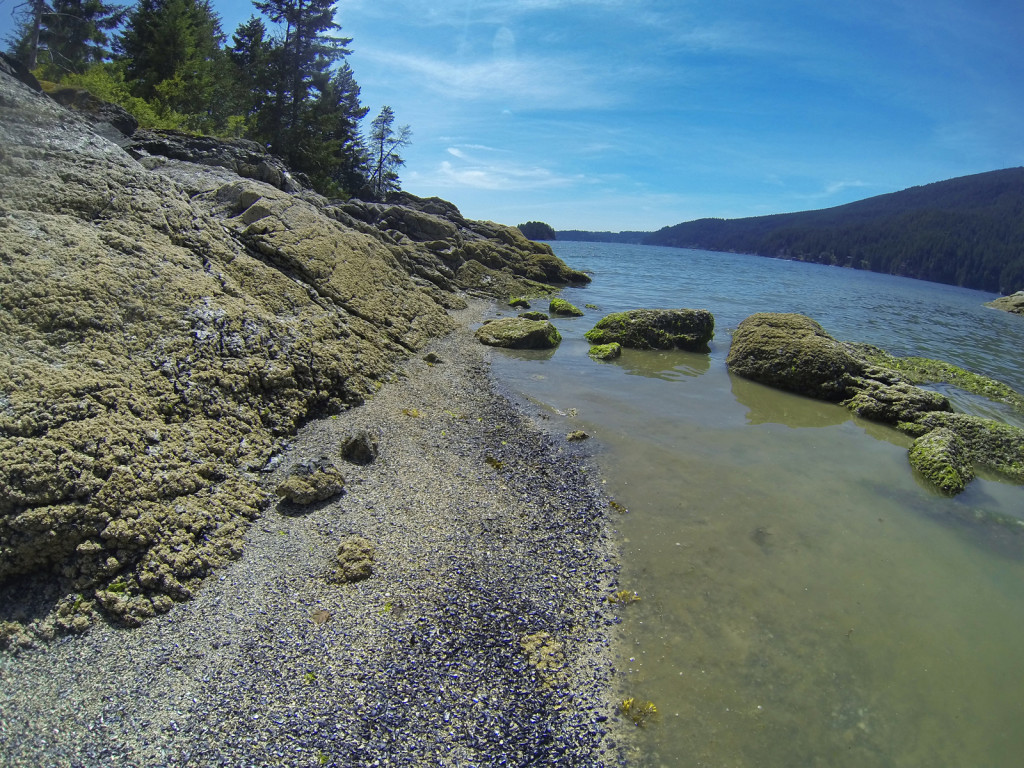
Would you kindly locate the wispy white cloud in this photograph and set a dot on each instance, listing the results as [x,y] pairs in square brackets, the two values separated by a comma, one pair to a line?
[524,82]
[836,187]
[477,172]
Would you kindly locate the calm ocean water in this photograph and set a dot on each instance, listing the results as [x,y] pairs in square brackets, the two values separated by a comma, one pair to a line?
[806,601]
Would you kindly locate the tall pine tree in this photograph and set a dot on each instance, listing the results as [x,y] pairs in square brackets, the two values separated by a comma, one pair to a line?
[385,141]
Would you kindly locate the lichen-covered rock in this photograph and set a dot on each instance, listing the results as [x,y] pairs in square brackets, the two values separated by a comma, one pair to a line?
[562,307]
[162,325]
[941,457]
[312,482]
[605,351]
[792,352]
[519,333]
[689,329]
[360,448]
[1014,303]
[354,561]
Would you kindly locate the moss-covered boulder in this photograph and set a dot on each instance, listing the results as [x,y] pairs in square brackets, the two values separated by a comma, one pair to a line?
[517,302]
[353,561]
[792,352]
[534,316]
[605,351]
[519,333]
[689,329]
[562,307]
[941,457]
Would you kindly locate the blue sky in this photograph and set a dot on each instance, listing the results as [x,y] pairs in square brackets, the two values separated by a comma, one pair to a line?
[636,114]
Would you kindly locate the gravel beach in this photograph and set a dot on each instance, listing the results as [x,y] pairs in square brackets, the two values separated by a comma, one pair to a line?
[482,637]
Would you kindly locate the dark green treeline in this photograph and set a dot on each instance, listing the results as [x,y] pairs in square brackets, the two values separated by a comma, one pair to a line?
[282,79]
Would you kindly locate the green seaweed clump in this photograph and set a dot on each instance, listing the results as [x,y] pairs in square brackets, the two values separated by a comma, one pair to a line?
[624,597]
[922,370]
[640,712]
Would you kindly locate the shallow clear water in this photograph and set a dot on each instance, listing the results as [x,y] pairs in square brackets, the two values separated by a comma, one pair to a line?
[806,601]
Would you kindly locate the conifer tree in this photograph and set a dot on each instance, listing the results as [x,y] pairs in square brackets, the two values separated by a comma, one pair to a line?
[385,141]
[65,36]
[172,53]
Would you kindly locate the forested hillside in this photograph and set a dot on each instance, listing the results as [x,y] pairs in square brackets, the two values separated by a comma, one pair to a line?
[967,231]
[282,80]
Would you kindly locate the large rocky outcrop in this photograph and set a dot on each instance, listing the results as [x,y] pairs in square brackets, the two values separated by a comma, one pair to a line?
[1014,303]
[162,325]
[795,353]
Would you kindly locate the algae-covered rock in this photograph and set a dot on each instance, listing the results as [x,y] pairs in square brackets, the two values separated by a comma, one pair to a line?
[882,395]
[605,351]
[987,443]
[792,352]
[534,316]
[689,329]
[354,561]
[941,457]
[518,302]
[562,307]
[519,333]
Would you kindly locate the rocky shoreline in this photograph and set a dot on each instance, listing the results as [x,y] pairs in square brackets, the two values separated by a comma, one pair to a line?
[483,636]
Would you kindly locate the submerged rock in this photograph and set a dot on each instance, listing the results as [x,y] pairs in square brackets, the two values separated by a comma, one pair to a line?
[519,333]
[605,351]
[942,458]
[689,329]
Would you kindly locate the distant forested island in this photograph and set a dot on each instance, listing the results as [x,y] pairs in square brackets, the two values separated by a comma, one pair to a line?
[537,230]
[967,231]
[580,235]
